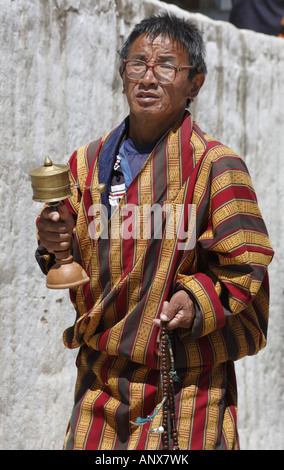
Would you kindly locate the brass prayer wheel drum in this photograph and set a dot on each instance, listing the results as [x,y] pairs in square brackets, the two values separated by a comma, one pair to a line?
[50,182]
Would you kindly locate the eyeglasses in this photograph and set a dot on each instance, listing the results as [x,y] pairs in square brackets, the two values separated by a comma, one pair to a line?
[164,73]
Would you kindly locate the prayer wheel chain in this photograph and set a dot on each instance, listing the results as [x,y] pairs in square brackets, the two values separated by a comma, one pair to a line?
[167,383]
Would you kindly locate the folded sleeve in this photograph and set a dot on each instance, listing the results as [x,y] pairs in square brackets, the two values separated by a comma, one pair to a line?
[44,259]
[230,288]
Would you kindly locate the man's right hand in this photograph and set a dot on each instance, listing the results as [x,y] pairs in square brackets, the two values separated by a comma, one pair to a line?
[55,229]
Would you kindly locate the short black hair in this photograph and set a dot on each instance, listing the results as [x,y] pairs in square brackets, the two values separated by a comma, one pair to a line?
[178,29]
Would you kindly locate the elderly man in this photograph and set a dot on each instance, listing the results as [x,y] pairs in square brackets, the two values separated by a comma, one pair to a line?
[172,300]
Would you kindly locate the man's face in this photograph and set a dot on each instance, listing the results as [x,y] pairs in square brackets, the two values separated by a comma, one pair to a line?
[147,97]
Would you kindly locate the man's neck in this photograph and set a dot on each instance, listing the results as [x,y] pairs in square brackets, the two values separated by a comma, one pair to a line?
[145,130]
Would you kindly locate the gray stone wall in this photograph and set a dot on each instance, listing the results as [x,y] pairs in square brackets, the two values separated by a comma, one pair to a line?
[60,89]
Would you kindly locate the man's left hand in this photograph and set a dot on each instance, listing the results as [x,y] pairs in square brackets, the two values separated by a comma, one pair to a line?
[179,312]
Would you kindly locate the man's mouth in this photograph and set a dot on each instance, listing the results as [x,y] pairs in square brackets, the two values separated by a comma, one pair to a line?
[146,97]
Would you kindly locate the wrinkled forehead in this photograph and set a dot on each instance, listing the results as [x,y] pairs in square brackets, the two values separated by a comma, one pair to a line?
[160,44]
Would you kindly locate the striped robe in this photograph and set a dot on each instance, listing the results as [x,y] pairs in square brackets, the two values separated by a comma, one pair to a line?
[222,262]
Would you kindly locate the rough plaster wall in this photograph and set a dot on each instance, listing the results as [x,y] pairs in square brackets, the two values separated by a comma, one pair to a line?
[59,90]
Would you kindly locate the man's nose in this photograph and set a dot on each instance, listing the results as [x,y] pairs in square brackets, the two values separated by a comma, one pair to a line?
[149,77]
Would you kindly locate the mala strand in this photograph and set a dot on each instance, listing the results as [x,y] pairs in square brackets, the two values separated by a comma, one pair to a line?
[167,383]
[168,377]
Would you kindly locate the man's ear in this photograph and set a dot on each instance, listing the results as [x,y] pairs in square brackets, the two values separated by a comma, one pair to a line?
[195,85]
[122,78]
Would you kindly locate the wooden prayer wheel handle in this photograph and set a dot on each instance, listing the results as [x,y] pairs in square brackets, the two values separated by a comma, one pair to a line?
[65,273]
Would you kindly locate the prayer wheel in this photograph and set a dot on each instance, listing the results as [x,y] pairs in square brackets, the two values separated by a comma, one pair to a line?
[51,185]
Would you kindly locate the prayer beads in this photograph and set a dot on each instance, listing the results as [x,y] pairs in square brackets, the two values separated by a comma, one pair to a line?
[167,383]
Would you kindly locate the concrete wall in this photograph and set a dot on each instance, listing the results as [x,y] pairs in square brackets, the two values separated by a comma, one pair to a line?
[59,90]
